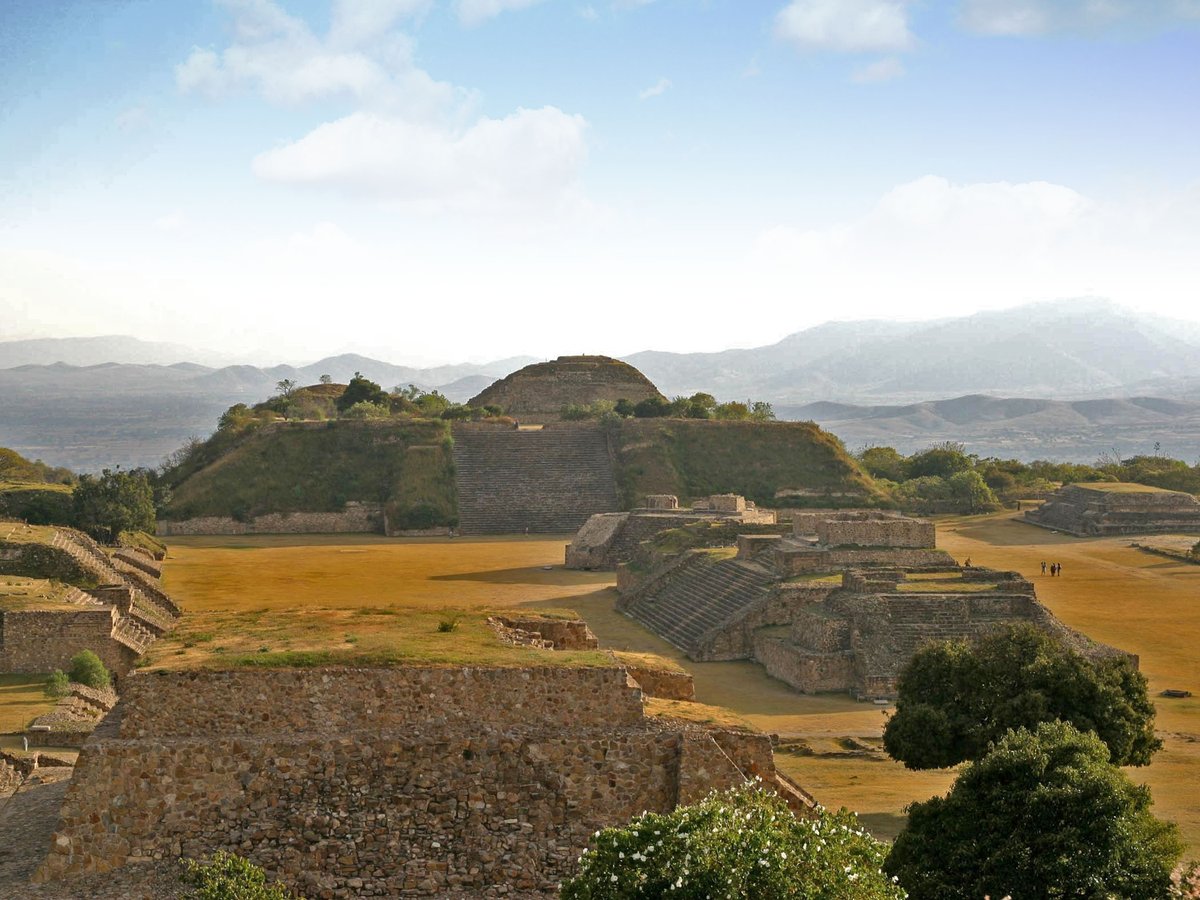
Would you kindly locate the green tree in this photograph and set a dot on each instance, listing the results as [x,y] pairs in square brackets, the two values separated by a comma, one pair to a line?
[326,379]
[15,467]
[955,698]
[88,669]
[742,843]
[651,408]
[228,876]
[942,460]
[761,411]
[882,462]
[361,390]
[625,407]
[972,492]
[1044,814]
[112,502]
[732,410]
[58,685]
[286,387]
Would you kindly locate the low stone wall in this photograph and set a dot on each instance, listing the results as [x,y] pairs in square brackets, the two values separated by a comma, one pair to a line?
[368,813]
[794,561]
[806,671]
[333,701]
[351,782]
[356,518]
[890,532]
[37,642]
[781,606]
[664,684]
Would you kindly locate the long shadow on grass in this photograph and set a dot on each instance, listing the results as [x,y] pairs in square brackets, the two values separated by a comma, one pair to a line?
[529,575]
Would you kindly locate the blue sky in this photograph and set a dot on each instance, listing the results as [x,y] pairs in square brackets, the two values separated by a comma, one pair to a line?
[451,179]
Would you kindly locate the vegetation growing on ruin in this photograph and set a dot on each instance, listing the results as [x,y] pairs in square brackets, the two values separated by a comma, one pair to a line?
[1043,814]
[314,467]
[955,699]
[771,463]
[945,478]
[744,842]
[228,876]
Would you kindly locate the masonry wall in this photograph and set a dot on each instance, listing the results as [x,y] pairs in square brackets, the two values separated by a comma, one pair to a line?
[890,532]
[412,811]
[356,518]
[332,701]
[797,562]
[37,642]
[398,782]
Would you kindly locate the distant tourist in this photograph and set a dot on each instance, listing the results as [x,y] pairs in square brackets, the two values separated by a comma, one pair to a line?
[1059,567]
[1043,567]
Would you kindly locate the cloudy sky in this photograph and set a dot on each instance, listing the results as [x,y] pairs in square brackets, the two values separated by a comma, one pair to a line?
[441,180]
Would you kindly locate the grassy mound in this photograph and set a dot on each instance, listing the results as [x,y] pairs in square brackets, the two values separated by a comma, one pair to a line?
[318,467]
[771,463]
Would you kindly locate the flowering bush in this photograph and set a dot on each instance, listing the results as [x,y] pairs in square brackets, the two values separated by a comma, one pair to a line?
[742,843]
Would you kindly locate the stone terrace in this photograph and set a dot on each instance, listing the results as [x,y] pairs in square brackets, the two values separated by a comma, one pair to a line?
[418,781]
[546,481]
[1096,510]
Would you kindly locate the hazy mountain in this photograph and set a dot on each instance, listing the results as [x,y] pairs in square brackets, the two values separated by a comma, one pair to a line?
[1062,350]
[90,417]
[1024,428]
[92,351]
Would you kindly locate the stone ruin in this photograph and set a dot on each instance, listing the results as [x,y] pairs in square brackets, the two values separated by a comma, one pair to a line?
[841,604]
[609,539]
[1103,509]
[45,620]
[539,392]
[408,781]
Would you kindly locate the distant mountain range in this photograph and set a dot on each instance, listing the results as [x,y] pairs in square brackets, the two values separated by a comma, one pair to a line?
[1060,350]
[92,402]
[90,417]
[1024,428]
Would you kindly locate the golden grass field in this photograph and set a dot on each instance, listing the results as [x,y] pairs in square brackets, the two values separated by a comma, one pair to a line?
[388,592]
[22,698]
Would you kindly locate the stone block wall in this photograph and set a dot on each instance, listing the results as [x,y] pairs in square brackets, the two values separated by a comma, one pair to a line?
[805,670]
[890,532]
[160,704]
[800,561]
[781,606]
[37,642]
[387,813]
[350,782]
[356,518]
[663,683]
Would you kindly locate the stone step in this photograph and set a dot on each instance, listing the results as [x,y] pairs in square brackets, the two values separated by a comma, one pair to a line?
[537,482]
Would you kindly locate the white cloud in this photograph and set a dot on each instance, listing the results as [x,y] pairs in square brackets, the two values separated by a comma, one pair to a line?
[279,56]
[659,87]
[846,25]
[354,22]
[881,70]
[404,136]
[529,158]
[473,12]
[1038,17]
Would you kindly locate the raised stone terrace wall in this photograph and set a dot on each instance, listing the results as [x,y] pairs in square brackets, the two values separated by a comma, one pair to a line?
[356,518]
[164,704]
[37,642]
[889,532]
[802,561]
[401,782]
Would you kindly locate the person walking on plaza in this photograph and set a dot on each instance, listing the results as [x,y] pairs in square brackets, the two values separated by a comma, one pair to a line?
[1043,567]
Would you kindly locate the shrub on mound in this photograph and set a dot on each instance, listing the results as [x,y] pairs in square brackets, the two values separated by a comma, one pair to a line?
[87,669]
[741,843]
[230,877]
[1043,814]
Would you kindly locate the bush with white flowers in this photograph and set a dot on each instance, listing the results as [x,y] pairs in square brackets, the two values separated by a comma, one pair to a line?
[741,843]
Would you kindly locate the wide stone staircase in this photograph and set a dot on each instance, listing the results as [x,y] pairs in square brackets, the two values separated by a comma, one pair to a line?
[545,481]
[698,596]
